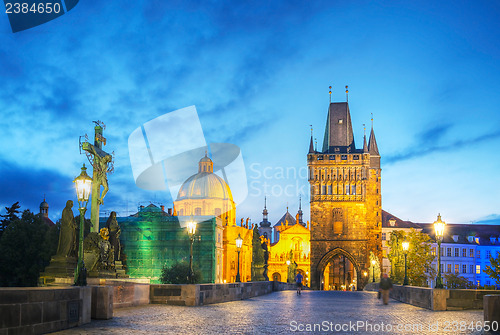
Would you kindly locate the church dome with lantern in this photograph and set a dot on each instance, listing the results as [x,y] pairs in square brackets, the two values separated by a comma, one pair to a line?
[205,193]
[205,184]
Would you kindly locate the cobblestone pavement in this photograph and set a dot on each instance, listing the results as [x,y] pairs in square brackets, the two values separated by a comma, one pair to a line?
[285,312]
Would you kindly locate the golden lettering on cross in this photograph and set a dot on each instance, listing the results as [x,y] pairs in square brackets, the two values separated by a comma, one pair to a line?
[102,164]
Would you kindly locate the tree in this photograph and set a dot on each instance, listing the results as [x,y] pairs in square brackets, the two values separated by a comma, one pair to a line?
[453,280]
[178,274]
[419,257]
[25,249]
[493,270]
[10,217]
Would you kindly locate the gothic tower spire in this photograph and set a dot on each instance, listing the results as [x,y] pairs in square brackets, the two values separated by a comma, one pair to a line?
[311,147]
[338,131]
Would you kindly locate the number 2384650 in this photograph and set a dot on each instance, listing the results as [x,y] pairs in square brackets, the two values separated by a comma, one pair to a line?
[25,8]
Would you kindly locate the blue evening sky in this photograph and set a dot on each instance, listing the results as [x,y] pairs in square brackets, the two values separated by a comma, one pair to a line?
[258,73]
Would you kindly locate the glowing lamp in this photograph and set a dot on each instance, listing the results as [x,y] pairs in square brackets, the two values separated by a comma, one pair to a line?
[83,184]
[191,227]
[439,228]
[406,246]
[239,242]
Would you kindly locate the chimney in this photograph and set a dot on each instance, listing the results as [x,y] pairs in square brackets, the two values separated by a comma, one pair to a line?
[170,211]
[162,208]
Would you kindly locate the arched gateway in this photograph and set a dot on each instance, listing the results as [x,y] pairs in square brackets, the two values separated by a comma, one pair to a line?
[338,270]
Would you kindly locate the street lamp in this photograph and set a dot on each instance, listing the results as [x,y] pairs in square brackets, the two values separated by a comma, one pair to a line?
[239,244]
[191,228]
[83,185]
[406,246]
[439,231]
[373,265]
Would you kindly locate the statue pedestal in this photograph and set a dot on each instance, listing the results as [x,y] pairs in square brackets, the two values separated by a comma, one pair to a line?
[120,271]
[117,272]
[61,271]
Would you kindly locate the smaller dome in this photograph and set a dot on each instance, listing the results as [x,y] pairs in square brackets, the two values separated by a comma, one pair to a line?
[44,204]
[206,165]
[205,159]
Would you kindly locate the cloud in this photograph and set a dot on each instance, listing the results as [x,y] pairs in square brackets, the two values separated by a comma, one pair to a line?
[20,182]
[426,146]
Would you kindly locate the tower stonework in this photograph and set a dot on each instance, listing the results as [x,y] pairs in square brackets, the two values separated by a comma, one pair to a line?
[345,186]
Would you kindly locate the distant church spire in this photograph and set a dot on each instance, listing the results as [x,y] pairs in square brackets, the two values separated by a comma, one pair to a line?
[298,217]
[365,146]
[311,147]
[265,222]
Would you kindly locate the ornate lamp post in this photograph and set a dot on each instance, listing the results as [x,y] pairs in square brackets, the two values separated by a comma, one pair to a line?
[83,184]
[191,228]
[439,230]
[373,266]
[406,246]
[239,244]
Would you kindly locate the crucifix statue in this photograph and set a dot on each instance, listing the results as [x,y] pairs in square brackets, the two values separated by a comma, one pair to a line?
[102,163]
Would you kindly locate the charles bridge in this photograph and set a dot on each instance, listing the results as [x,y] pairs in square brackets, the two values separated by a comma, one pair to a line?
[126,307]
[285,312]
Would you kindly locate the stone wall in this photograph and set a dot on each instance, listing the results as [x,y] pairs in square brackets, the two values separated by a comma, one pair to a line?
[440,299]
[204,294]
[38,310]
[126,292]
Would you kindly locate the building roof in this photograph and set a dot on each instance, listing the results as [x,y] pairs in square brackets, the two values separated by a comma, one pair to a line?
[398,223]
[286,217]
[48,221]
[338,130]
[479,232]
[151,208]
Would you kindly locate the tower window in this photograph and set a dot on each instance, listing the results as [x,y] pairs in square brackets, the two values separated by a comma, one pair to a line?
[341,121]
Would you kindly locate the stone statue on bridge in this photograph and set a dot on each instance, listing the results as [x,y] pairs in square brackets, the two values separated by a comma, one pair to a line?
[102,164]
[67,234]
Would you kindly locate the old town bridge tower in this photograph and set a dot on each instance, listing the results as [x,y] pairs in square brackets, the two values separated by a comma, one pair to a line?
[346,201]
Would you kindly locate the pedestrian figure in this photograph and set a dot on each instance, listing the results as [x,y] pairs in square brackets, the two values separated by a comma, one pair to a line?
[385,287]
[298,280]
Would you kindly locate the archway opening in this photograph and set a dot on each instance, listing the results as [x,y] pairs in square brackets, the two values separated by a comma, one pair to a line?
[276,276]
[338,270]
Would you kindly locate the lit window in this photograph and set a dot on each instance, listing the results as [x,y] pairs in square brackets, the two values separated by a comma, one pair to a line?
[433,251]
[471,252]
[457,268]
[478,269]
